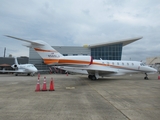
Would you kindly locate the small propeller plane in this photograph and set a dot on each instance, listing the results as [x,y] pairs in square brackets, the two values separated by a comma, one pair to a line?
[28,69]
[85,64]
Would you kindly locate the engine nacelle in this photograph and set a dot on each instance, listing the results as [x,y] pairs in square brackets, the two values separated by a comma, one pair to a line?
[75,60]
[14,66]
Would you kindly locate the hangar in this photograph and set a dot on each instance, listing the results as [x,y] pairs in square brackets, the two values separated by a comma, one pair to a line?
[105,51]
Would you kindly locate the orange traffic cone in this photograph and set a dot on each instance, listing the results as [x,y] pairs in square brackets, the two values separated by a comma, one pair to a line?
[51,85]
[38,75]
[44,85]
[37,86]
[67,74]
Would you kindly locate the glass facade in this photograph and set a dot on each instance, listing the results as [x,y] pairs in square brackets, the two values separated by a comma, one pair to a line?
[109,52]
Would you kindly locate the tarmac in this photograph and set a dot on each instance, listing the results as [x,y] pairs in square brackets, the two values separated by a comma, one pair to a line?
[128,97]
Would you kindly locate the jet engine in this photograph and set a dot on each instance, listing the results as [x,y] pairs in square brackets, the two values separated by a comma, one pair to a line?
[75,60]
[14,66]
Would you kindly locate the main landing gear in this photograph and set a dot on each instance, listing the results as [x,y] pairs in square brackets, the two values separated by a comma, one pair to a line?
[146,77]
[92,77]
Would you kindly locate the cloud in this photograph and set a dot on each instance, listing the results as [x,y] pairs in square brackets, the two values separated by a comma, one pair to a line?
[70,22]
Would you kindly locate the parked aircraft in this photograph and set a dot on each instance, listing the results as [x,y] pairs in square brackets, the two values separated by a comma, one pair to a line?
[85,64]
[28,69]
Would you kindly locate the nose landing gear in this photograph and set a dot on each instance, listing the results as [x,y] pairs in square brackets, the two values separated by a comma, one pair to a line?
[146,77]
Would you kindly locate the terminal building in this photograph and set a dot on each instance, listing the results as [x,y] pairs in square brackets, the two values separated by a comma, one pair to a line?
[105,51]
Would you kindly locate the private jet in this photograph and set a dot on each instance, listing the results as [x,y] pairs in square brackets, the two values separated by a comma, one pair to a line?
[28,69]
[85,64]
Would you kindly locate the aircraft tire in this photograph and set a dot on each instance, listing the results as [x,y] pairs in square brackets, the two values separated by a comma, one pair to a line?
[89,76]
[93,77]
[146,78]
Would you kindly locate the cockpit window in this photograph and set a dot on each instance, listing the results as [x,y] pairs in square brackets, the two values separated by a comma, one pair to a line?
[30,65]
[142,64]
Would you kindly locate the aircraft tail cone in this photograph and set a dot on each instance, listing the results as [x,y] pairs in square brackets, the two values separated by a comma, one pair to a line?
[37,86]
[51,85]
[44,85]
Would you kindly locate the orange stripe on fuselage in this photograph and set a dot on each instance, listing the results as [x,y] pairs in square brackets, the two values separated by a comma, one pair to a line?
[65,61]
[50,61]
[41,50]
[102,64]
[73,61]
[114,66]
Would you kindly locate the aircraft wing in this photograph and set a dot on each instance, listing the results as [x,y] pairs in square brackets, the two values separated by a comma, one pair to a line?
[11,71]
[90,70]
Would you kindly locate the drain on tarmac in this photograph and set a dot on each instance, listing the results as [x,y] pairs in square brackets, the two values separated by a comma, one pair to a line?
[70,88]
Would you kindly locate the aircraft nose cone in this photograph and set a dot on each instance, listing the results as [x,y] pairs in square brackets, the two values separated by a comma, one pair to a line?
[153,70]
[35,70]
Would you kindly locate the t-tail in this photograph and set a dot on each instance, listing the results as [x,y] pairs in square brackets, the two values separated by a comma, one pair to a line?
[15,61]
[15,65]
[52,57]
[48,54]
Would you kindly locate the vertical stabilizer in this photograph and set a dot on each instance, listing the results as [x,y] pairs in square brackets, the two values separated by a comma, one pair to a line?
[48,54]
[15,61]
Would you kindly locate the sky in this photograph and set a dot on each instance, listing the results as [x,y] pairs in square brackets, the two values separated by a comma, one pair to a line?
[80,22]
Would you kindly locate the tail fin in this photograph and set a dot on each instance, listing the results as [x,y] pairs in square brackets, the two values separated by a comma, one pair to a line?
[51,57]
[15,65]
[48,54]
[15,61]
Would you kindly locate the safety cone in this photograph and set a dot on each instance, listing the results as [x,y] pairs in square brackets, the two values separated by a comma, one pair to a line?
[51,85]
[37,86]
[44,85]
[158,77]
[38,75]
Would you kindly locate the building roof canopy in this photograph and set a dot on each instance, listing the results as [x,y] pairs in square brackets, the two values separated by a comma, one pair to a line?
[124,42]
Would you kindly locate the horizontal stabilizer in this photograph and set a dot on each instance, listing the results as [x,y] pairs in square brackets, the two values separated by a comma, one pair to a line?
[37,42]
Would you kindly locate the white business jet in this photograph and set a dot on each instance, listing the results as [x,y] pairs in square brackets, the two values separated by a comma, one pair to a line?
[28,69]
[85,64]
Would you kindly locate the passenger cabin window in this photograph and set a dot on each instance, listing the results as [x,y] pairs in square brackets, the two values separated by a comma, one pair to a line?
[122,63]
[112,63]
[117,63]
[127,63]
[132,63]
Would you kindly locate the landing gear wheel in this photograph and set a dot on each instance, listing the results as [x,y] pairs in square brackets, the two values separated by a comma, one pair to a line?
[93,77]
[89,76]
[146,77]
[28,74]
